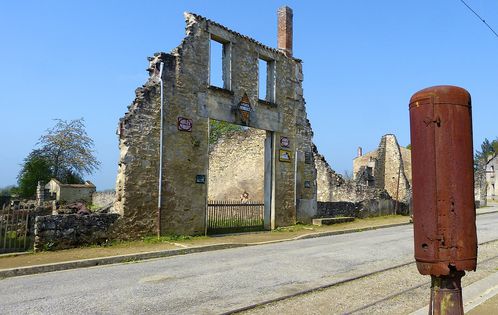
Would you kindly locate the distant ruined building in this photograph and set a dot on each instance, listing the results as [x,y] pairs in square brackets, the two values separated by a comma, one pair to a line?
[379,176]
[491,178]
[388,167]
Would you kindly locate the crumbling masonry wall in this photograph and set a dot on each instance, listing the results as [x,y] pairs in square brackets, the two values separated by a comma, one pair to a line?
[391,168]
[236,165]
[328,181]
[189,97]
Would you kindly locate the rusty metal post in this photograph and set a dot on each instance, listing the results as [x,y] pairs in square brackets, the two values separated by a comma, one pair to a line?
[443,192]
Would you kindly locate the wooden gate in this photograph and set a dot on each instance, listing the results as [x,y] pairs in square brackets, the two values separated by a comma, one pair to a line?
[14,230]
[229,216]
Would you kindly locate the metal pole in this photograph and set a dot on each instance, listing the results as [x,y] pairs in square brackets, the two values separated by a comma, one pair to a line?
[160,177]
[446,294]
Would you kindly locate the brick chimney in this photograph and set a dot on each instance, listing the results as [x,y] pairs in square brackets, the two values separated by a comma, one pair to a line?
[360,151]
[285,30]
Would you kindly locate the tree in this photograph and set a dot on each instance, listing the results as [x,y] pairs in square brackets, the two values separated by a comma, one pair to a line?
[7,190]
[487,149]
[65,152]
[69,149]
[35,168]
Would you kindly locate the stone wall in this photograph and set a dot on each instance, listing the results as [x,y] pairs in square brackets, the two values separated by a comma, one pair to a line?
[395,180]
[332,187]
[362,209]
[72,230]
[190,99]
[327,180]
[390,166]
[103,198]
[236,165]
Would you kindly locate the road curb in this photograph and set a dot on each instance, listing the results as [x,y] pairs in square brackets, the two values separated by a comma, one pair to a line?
[92,262]
[368,228]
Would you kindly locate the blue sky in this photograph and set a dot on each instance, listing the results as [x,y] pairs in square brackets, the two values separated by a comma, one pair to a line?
[362,61]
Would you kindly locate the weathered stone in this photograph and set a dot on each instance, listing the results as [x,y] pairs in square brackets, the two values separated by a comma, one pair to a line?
[236,165]
[72,230]
[330,221]
[388,167]
[189,96]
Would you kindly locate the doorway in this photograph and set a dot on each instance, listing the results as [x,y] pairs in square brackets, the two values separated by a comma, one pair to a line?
[239,179]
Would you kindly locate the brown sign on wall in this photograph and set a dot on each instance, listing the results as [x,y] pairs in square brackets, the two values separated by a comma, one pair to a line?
[284,142]
[184,124]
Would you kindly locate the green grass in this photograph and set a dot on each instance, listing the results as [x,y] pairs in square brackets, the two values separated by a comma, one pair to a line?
[169,238]
[295,228]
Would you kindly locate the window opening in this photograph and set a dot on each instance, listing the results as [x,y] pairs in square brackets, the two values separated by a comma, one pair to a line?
[219,63]
[266,79]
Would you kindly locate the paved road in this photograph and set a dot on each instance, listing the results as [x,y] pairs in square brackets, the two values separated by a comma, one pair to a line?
[214,282]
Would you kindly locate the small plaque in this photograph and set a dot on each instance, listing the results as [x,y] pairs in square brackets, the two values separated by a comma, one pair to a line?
[184,124]
[307,184]
[285,155]
[200,179]
[284,142]
[308,157]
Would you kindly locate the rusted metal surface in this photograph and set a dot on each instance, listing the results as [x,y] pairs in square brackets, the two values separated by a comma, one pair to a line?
[443,181]
[446,294]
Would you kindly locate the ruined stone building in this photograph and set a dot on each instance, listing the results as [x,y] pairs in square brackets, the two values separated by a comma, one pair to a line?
[388,167]
[70,192]
[328,182]
[189,101]
[491,175]
[332,187]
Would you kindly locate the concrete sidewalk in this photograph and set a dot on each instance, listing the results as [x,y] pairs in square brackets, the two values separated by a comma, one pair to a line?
[478,298]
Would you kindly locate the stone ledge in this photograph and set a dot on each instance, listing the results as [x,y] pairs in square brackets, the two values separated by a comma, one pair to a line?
[329,221]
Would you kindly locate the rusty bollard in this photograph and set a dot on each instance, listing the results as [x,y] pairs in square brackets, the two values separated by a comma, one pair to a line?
[443,192]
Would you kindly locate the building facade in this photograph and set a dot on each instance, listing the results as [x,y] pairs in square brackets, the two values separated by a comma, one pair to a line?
[174,200]
[491,176]
[70,192]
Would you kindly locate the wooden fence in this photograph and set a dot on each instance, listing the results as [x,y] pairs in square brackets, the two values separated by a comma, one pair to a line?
[228,216]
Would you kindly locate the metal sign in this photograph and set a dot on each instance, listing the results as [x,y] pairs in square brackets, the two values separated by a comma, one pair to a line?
[200,179]
[284,142]
[285,155]
[244,109]
[184,124]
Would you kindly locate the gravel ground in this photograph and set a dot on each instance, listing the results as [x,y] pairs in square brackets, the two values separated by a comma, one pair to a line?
[398,291]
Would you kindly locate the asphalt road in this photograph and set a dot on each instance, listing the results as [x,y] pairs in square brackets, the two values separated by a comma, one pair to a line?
[218,281]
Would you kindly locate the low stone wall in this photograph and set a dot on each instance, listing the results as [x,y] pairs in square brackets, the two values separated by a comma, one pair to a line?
[362,209]
[71,230]
[103,198]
